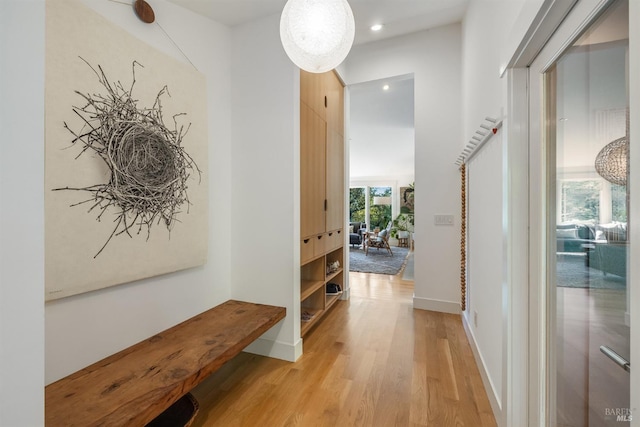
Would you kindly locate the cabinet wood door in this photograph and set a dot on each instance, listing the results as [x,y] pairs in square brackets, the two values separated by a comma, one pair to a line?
[312,91]
[335,180]
[335,102]
[312,172]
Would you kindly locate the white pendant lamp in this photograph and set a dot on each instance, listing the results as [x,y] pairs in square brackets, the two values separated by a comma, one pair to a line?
[317,34]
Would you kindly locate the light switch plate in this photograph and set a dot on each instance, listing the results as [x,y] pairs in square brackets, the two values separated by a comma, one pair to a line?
[443,219]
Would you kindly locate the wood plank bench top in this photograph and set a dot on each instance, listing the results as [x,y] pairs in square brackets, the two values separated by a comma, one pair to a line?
[135,385]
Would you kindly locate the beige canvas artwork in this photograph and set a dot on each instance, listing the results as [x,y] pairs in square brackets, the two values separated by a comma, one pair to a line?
[125,156]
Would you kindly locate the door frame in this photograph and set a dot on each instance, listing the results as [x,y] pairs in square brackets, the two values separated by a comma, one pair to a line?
[555,27]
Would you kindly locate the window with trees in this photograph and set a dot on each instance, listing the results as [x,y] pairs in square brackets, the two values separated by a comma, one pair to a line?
[582,200]
[357,205]
[379,215]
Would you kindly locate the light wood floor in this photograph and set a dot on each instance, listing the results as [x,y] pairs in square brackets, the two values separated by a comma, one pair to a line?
[372,361]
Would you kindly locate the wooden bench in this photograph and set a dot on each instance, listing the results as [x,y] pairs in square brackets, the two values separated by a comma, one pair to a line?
[137,384]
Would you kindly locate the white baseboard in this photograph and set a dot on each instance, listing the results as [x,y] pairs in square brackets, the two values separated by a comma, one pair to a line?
[276,349]
[494,401]
[436,305]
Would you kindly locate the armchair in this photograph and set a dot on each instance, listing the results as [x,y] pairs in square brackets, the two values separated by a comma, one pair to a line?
[381,240]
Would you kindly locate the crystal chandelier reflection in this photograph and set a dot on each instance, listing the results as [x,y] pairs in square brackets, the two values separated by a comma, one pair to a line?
[612,161]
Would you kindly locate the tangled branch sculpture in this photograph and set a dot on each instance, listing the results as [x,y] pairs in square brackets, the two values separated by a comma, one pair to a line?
[149,168]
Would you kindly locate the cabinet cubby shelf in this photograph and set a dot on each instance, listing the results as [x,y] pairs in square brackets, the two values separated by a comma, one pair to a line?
[333,274]
[313,297]
[331,299]
[308,287]
[305,326]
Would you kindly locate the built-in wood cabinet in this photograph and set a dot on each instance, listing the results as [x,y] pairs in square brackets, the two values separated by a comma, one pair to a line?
[312,92]
[334,91]
[322,184]
[312,172]
[334,219]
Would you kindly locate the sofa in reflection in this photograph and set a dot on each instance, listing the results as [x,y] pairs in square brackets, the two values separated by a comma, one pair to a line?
[605,245]
[609,253]
[610,258]
[574,237]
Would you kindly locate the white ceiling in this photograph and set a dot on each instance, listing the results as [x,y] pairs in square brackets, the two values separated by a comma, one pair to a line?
[381,124]
[398,16]
[381,133]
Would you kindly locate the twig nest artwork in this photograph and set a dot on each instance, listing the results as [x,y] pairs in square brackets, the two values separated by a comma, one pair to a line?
[143,158]
[149,168]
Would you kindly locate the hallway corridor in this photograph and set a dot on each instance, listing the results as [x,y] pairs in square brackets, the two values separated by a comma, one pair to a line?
[372,361]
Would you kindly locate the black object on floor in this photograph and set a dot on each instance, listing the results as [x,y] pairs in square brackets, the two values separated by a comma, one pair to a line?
[180,414]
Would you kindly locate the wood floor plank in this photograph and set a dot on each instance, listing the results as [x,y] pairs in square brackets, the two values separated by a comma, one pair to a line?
[418,413]
[372,361]
[447,369]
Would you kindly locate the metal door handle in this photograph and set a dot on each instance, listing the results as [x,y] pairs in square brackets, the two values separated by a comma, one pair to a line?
[619,360]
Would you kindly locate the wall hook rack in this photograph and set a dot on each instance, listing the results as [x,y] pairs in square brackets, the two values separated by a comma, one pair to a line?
[488,128]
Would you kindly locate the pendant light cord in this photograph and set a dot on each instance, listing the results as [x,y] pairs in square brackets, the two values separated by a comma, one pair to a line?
[163,30]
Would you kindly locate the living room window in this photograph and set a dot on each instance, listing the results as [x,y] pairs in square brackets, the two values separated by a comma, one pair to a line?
[357,204]
[592,201]
[618,203]
[379,207]
[375,209]
[580,201]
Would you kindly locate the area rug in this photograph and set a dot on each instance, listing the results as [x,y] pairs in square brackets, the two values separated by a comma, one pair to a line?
[378,261]
[572,272]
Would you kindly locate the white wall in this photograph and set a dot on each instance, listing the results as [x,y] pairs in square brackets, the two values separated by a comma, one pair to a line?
[84,328]
[483,95]
[381,128]
[434,58]
[265,241]
[492,30]
[87,327]
[483,37]
[21,213]
[485,258]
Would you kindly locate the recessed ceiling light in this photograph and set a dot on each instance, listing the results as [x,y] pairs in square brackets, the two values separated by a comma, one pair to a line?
[385,87]
[376,27]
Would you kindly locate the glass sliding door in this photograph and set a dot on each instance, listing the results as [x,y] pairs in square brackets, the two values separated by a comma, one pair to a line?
[357,204]
[371,205]
[586,138]
[379,207]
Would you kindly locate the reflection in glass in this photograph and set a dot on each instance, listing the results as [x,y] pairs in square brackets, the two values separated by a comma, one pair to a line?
[587,92]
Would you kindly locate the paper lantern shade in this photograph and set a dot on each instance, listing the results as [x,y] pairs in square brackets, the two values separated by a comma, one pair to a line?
[317,34]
